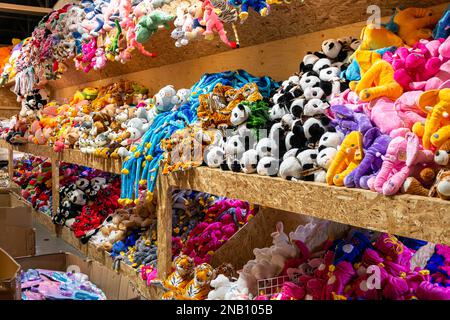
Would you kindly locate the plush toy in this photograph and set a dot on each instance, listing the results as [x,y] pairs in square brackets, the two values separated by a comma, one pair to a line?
[149,24]
[179,279]
[375,146]
[413,24]
[377,78]
[436,104]
[348,157]
[213,24]
[403,153]
[259,6]
[199,287]
[376,37]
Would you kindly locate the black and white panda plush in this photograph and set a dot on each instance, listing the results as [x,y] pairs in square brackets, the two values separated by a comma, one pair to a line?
[249,161]
[333,88]
[309,80]
[314,128]
[268,166]
[239,114]
[315,92]
[290,168]
[324,159]
[287,121]
[214,156]
[321,64]
[330,139]
[308,160]
[277,112]
[266,147]
[297,106]
[234,148]
[330,74]
[309,60]
[315,107]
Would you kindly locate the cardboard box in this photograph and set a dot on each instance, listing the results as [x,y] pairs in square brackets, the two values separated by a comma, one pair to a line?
[114,285]
[17,236]
[9,277]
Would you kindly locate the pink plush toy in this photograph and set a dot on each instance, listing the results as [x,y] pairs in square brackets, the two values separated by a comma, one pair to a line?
[289,291]
[414,67]
[432,291]
[213,24]
[340,277]
[407,109]
[403,153]
[382,113]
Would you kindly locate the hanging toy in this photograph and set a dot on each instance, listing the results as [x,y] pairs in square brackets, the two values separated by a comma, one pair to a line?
[214,24]
[259,6]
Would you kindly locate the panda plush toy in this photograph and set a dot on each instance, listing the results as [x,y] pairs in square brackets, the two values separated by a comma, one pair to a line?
[249,161]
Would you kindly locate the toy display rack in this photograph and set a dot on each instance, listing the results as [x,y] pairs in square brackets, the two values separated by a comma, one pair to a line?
[288,34]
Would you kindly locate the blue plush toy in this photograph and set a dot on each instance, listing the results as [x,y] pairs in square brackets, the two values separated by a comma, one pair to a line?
[442,29]
[259,6]
[351,250]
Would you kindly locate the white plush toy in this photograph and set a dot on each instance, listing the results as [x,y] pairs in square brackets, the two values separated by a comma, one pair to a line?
[221,285]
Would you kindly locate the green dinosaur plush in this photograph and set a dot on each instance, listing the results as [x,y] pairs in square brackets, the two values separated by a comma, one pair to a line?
[149,24]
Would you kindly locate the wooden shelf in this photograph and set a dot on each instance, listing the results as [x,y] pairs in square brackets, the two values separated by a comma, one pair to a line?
[271,45]
[68,156]
[406,215]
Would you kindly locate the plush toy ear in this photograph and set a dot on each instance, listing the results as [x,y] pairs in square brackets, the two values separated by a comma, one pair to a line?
[370,136]
[428,99]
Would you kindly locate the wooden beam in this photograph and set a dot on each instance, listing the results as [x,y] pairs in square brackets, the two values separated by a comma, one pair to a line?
[30,10]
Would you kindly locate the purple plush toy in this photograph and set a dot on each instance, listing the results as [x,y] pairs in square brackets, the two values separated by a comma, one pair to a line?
[346,120]
[375,145]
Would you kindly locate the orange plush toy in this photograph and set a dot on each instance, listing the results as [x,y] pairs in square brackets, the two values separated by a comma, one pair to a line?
[413,24]
[377,78]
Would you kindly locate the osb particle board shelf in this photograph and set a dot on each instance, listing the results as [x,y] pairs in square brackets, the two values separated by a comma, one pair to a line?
[406,215]
[103,257]
[271,45]
[68,156]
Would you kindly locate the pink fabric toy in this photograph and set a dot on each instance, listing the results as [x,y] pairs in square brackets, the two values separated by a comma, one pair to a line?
[430,291]
[290,291]
[414,66]
[340,277]
[402,154]
[382,113]
[407,109]
[213,24]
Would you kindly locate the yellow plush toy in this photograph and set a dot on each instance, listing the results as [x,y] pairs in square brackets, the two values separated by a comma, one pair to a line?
[377,37]
[377,77]
[436,103]
[348,157]
[415,24]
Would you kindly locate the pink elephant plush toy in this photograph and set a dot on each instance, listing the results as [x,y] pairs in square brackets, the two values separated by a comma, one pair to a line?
[383,114]
[403,154]
[408,110]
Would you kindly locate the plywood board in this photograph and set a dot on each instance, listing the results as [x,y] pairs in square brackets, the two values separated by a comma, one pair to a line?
[406,215]
[272,46]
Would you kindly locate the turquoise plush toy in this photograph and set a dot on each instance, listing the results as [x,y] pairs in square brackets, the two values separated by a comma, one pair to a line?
[149,24]
[140,169]
[442,29]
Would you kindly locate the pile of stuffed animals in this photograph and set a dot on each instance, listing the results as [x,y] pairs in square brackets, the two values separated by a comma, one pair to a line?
[202,223]
[34,177]
[307,265]
[86,198]
[94,32]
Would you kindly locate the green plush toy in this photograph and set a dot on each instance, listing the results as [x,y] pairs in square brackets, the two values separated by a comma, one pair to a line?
[149,24]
